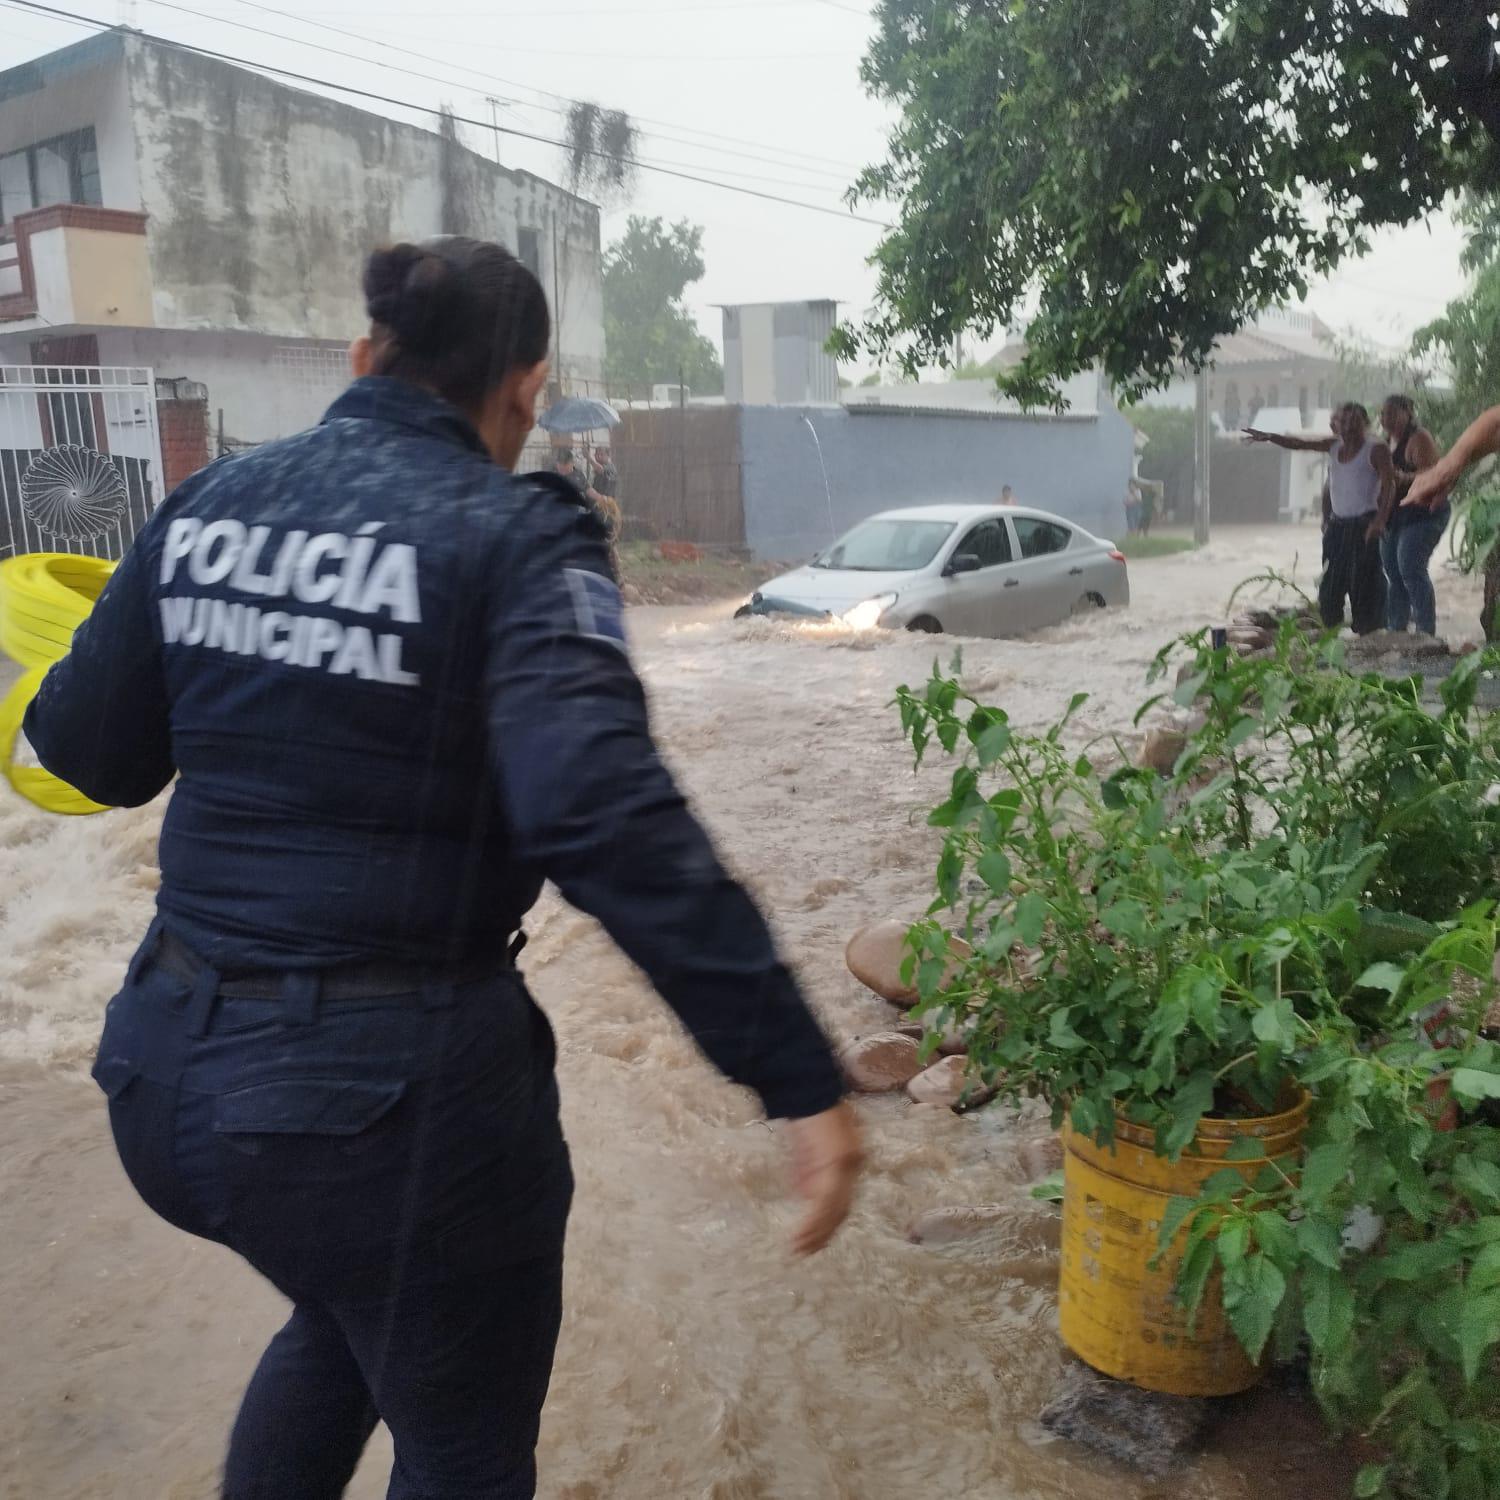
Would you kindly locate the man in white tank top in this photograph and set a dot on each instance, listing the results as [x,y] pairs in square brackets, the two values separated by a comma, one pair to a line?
[1361,492]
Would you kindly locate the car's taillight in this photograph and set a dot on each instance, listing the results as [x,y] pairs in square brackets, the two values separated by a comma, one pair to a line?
[1118,557]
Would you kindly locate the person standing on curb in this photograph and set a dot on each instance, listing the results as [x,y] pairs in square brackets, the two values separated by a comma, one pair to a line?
[1408,544]
[392,683]
[1361,492]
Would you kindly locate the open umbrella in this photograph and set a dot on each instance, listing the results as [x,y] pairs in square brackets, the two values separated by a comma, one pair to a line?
[578,414]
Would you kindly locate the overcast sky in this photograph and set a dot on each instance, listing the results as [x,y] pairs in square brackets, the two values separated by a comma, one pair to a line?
[761,94]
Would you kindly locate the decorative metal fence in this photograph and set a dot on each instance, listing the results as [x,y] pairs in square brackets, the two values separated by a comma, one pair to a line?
[80,458]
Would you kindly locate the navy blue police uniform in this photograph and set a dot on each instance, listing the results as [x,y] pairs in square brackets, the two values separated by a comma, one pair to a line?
[391,683]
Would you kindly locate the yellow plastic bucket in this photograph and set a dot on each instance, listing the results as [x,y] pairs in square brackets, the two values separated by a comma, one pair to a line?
[1118,1314]
[44,598]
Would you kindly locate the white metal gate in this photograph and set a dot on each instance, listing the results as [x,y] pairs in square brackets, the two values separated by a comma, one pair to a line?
[80,458]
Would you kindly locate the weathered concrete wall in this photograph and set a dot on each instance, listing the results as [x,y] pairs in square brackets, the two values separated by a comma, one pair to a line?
[1076,467]
[263,202]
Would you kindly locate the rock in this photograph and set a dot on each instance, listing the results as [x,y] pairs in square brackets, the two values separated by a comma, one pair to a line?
[948,1082]
[951,1037]
[944,1226]
[631,594]
[1426,646]
[1468,648]
[876,953]
[881,1063]
[1147,1431]
[1040,1157]
[1161,750]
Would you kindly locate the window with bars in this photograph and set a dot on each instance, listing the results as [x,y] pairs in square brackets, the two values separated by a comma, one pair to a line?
[312,366]
[64,169]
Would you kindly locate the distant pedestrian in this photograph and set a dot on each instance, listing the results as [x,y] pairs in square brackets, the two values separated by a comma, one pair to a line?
[1409,542]
[1132,509]
[1146,510]
[1007,496]
[1361,492]
[603,505]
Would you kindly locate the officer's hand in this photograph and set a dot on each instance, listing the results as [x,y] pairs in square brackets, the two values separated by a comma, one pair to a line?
[826,1158]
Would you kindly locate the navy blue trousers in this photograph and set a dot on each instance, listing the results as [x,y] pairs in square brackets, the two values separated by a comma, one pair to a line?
[396,1168]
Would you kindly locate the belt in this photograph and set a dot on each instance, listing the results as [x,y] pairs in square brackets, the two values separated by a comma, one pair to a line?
[377,979]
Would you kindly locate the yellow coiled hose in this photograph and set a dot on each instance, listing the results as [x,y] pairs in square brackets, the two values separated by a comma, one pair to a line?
[44,598]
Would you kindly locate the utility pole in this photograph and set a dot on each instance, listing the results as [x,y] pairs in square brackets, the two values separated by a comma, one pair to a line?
[1202,460]
[557,310]
[682,444]
[495,122]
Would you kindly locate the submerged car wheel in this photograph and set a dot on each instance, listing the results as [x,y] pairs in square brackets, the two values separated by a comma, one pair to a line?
[1088,604]
[925,625]
[743,612]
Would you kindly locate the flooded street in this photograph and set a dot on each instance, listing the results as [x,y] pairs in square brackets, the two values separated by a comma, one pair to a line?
[696,1360]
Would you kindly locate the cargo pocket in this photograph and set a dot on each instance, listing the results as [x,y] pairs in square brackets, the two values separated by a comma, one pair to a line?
[345,1112]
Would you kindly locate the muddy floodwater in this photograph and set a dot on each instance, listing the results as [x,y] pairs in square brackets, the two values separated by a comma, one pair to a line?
[696,1360]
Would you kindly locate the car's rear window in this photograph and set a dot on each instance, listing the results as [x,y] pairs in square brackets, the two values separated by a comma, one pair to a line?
[1038,538]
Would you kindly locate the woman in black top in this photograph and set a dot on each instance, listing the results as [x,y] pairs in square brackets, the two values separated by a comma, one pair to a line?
[1407,547]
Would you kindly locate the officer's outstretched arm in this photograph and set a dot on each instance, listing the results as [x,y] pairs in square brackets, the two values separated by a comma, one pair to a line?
[100,719]
[593,807]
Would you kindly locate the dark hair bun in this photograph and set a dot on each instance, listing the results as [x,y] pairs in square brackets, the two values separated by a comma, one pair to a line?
[415,294]
[455,315]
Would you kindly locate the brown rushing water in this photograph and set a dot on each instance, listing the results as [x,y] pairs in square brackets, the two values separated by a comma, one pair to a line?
[696,1360]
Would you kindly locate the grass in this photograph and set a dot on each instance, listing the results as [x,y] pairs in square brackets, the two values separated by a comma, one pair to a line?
[714,575]
[1137,547]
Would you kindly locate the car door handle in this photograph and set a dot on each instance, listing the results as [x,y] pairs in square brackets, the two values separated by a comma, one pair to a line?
[1011,583]
[1075,572]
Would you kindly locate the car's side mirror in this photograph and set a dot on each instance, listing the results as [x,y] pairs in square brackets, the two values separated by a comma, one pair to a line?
[961,562]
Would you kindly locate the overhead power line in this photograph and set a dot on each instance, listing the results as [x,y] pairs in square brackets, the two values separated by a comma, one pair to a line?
[74,17]
[489,79]
[785,151]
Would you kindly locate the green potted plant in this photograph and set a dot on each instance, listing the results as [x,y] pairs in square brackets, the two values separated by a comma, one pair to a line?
[1212,978]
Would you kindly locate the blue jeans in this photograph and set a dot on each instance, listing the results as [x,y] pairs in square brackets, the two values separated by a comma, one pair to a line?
[396,1168]
[1406,551]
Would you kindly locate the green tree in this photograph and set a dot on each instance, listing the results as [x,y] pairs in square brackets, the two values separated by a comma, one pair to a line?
[1168,457]
[1142,176]
[650,337]
[1465,341]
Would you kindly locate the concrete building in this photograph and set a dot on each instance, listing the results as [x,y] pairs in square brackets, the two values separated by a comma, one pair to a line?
[166,211]
[1285,359]
[775,354]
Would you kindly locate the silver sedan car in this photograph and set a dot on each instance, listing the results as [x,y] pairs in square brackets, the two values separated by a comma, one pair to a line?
[981,570]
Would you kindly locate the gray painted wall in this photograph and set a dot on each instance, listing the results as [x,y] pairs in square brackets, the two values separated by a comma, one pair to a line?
[1077,467]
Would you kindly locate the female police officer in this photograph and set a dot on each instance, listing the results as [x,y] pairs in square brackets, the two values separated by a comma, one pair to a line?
[391,682]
